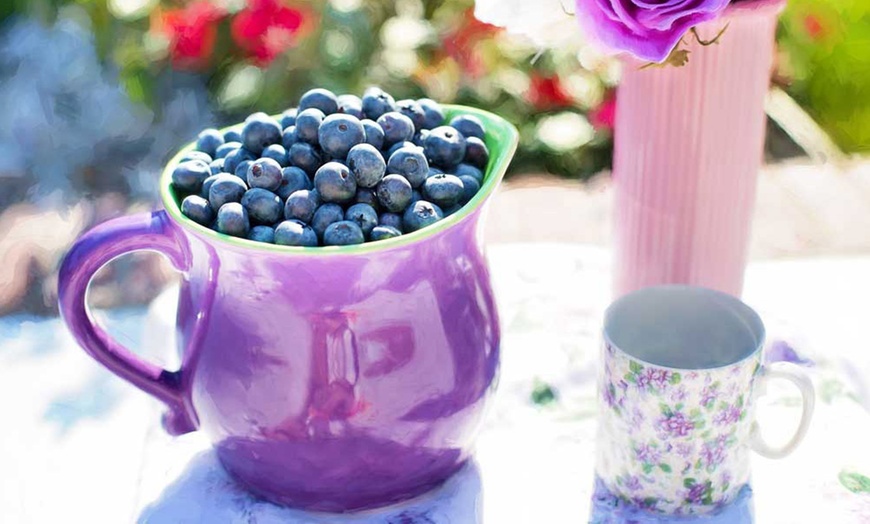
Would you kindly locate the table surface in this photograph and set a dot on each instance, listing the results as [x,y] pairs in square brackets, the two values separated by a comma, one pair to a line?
[80,444]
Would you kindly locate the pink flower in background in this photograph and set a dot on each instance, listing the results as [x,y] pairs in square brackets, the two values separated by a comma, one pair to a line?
[267,28]
[647,29]
[603,117]
[547,92]
[191,31]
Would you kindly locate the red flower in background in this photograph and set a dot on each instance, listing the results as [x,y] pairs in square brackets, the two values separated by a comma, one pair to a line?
[267,28]
[192,31]
[814,27]
[547,92]
[603,117]
[460,43]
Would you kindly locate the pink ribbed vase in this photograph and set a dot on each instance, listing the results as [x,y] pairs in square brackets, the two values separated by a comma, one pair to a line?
[688,147]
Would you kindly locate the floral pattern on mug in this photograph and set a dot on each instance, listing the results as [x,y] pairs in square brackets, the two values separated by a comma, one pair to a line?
[674,441]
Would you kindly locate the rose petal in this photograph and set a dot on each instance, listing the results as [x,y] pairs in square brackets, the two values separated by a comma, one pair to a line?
[649,45]
[664,19]
[625,14]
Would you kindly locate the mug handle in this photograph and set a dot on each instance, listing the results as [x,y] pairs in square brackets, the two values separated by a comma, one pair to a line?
[96,248]
[796,376]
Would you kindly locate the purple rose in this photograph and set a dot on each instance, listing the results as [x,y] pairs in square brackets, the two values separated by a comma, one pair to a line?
[648,29]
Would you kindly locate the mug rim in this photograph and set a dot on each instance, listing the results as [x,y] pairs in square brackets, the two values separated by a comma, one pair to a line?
[498,130]
[732,302]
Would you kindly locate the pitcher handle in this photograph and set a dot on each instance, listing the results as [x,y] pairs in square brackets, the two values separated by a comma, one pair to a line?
[96,248]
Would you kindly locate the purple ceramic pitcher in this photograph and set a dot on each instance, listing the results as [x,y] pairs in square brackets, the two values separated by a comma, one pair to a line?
[329,378]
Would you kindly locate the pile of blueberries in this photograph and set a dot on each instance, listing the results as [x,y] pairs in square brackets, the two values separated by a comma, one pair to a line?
[337,170]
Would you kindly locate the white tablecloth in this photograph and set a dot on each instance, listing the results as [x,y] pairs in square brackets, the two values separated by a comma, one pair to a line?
[79,445]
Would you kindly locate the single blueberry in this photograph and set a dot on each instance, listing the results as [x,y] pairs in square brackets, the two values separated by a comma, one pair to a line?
[394,193]
[305,156]
[445,147]
[293,179]
[208,141]
[302,205]
[343,233]
[226,148]
[374,133]
[206,184]
[335,183]
[232,160]
[265,173]
[262,205]
[232,219]
[397,146]
[397,127]
[421,214]
[416,195]
[216,166]
[277,153]
[197,209]
[189,176]
[295,233]
[420,137]
[413,110]
[241,170]
[452,209]
[469,126]
[410,162]
[376,102]
[319,98]
[289,137]
[196,155]
[288,118]
[470,187]
[367,195]
[444,190]
[350,105]
[262,234]
[432,111]
[231,135]
[226,188]
[383,233]
[324,216]
[393,220]
[469,170]
[308,123]
[259,131]
[339,133]
[364,215]
[367,164]
[476,152]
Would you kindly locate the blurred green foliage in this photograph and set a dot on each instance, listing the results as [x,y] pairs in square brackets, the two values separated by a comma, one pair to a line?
[254,55]
[825,55]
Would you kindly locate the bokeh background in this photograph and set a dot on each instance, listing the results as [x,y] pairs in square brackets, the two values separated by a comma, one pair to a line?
[95,95]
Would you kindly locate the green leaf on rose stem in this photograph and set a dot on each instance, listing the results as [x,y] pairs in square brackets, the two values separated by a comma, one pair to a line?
[854,482]
[664,467]
[543,394]
[647,468]
[665,409]
[634,367]
[678,58]
[725,486]
[740,401]
[688,482]
[714,40]
[675,379]
[629,377]
[679,406]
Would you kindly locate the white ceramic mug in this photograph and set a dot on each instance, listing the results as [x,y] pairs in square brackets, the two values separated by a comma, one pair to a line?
[682,367]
